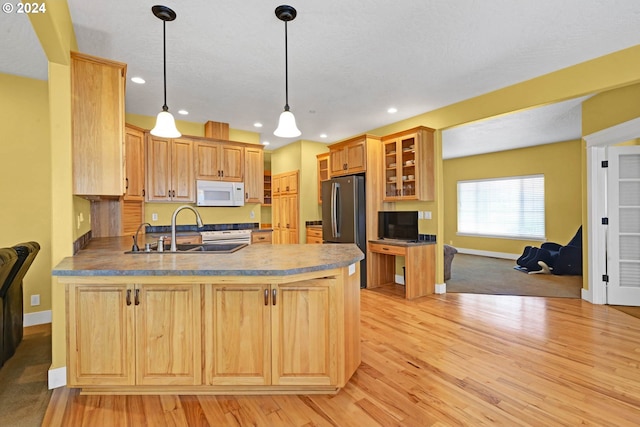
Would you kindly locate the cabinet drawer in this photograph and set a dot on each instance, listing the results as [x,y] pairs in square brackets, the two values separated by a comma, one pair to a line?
[314,232]
[316,240]
[387,249]
[261,237]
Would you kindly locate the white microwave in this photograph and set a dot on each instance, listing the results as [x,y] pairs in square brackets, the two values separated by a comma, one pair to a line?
[219,193]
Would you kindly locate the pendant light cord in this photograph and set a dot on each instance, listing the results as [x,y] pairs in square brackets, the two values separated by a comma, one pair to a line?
[286,69]
[164,62]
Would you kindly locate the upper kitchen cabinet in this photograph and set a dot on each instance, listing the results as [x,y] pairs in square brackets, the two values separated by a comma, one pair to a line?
[254,174]
[323,172]
[97,121]
[220,161]
[134,163]
[348,157]
[408,165]
[170,176]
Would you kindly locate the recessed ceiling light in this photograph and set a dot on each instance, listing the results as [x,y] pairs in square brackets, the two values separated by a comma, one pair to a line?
[392,110]
[323,135]
[138,80]
[183,112]
[257,124]
[265,143]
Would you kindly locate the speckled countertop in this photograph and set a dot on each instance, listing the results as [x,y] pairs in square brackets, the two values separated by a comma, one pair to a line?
[106,257]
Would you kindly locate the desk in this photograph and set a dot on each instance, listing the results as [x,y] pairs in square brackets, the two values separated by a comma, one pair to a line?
[420,264]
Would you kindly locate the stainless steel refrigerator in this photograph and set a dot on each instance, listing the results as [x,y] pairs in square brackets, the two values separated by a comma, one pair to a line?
[344,215]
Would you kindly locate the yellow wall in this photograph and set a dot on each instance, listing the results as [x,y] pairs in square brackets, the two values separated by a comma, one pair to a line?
[561,165]
[192,128]
[610,108]
[25,172]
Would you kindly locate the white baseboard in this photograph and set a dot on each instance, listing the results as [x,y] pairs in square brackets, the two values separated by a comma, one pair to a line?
[587,295]
[57,377]
[37,318]
[491,254]
[441,288]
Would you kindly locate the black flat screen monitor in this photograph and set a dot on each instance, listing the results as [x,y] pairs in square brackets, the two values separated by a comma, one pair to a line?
[398,225]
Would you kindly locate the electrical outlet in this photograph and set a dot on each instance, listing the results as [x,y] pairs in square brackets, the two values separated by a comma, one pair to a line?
[81,217]
[35,299]
[154,216]
[427,215]
[78,222]
[420,215]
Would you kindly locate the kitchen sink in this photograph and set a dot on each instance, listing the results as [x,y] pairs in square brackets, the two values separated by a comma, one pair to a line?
[222,248]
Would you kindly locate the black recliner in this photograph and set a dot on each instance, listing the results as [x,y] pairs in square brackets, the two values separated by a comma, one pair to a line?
[554,258]
[11,294]
[8,259]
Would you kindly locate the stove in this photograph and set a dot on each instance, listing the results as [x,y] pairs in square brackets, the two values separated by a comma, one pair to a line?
[226,236]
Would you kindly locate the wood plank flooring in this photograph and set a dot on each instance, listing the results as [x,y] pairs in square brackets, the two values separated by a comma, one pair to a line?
[442,360]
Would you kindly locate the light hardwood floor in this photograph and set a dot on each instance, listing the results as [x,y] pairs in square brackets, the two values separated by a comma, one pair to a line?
[454,359]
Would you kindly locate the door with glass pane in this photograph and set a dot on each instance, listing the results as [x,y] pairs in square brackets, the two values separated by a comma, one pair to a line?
[623,206]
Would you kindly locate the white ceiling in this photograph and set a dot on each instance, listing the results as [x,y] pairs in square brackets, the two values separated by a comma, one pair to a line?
[348,61]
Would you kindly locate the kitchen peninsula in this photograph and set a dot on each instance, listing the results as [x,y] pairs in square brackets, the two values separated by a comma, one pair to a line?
[267,319]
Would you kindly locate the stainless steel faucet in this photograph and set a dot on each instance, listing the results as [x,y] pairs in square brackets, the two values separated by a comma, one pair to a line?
[174,247]
[135,247]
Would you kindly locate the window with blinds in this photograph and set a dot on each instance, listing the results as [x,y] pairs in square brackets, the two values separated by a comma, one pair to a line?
[510,207]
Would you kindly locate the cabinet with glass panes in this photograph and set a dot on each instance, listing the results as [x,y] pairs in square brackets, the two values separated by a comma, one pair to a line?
[409,165]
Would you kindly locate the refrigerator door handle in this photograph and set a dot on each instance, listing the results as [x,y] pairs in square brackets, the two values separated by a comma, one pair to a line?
[335,190]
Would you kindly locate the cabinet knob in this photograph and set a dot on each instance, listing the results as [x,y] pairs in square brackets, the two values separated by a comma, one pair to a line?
[274,294]
[128,296]
[136,298]
[266,297]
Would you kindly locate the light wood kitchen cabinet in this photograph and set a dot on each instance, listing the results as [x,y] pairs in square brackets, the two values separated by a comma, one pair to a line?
[134,177]
[219,161]
[286,333]
[265,236]
[285,212]
[323,172]
[170,173]
[124,334]
[348,157]
[254,174]
[97,123]
[314,235]
[408,165]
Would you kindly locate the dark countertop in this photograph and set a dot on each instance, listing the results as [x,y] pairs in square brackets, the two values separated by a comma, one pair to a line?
[403,243]
[106,257]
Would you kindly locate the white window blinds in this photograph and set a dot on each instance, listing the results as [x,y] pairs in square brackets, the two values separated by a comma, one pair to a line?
[507,207]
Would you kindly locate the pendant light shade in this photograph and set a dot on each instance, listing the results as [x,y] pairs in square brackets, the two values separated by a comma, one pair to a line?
[287,127]
[165,123]
[165,126]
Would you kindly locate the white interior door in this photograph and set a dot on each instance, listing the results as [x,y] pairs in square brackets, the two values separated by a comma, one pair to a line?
[623,207]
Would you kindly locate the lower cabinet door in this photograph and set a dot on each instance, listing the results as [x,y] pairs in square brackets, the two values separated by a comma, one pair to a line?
[168,325]
[304,333]
[237,334]
[100,335]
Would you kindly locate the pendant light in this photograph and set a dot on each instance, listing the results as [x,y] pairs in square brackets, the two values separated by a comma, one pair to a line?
[287,124]
[165,123]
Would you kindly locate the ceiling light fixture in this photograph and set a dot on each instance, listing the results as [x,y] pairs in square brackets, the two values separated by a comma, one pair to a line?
[138,80]
[165,123]
[287,124]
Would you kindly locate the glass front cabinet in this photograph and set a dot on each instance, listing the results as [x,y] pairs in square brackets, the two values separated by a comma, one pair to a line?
[409,165]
